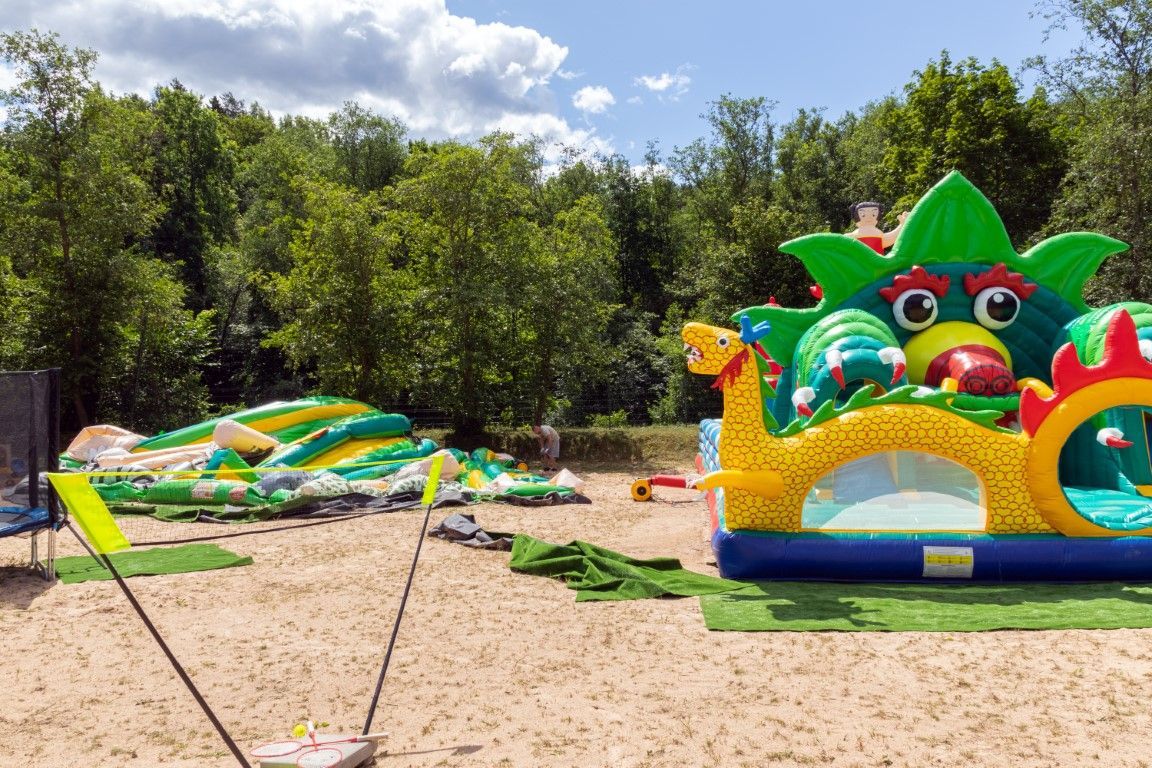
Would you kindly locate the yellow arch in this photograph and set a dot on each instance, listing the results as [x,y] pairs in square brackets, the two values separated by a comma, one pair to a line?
[1045,446]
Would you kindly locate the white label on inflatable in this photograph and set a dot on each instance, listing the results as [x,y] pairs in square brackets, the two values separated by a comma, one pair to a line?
[948,562]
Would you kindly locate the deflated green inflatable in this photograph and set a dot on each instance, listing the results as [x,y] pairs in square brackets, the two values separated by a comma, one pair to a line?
[286,421]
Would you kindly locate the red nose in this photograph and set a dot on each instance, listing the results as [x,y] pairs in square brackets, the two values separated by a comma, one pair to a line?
[979,370]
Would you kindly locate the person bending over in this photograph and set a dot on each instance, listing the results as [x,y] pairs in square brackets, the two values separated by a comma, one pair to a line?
[549,440]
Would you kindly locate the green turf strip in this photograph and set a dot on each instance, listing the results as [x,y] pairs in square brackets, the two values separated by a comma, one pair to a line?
[149,562]
[804,606]
[601,574]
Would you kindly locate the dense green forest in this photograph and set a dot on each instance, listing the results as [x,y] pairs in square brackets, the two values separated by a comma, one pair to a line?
[184,255]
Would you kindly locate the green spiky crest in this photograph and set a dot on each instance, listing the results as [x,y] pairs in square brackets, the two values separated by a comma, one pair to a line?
[906,395]
[952,223]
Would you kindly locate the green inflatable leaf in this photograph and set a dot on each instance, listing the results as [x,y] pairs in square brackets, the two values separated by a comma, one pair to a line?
[1065,262]
[952,223]
[839,264]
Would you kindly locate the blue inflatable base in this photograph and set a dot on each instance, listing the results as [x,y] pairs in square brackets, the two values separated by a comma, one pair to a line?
[16,520]
[931,557]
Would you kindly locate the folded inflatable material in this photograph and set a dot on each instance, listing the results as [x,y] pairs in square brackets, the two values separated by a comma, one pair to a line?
[164,458]
[270,419]
[513,478]
[90,442]
[392,447]
[354,450]
[241,438]
[494,469]
[426,448]
[228,459]
[310,448]
[325,484]
[482,467]
[537,489]
[119,491]
[129,474]
[473,478]
[202,492]
[282,480]
[482,455]
[501,484]
[566,479]
[449,469]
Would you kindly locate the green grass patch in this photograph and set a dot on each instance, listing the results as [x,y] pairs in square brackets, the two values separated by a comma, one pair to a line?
[845,607]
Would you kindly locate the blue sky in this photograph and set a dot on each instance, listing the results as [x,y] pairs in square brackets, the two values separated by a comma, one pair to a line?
[605,76]
[825,54]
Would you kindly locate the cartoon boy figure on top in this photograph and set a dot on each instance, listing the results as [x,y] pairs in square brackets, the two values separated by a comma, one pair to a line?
[866,215]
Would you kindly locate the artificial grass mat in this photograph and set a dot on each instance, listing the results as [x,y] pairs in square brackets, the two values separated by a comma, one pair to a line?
[807,606]
[186,558]
[601,574]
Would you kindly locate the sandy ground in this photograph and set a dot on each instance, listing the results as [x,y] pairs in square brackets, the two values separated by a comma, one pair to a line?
[494,668]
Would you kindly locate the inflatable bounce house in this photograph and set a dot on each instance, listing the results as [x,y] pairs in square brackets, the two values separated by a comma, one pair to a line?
[950,410]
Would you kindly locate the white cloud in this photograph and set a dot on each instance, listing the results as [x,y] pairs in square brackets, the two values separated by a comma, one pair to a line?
[567,74]
[593,99]
[443,75]
[554,132]
[659,170]
[669,85]
[8,80]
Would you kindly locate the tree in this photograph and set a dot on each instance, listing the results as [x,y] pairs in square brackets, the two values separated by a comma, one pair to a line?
[83,205]
[807,161]
[347,308]
[13,312]
[473,249]
[735,165]
[751,270]
[244,126]
[370,149]
[152,378]
[192,176]
[271,180]
[863,141]
[1105,87]
[685,397]
[514,282]
[969,118]
[642,208]
[568,305]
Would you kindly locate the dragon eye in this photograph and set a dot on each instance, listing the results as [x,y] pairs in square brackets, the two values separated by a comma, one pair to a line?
[996,307]
[723,342]
[915,309]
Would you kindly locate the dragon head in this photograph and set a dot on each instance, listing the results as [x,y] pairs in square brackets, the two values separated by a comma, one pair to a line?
[710,349]
[969,313]
[963,353]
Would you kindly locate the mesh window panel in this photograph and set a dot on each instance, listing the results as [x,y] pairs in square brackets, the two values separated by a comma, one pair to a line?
[29,424]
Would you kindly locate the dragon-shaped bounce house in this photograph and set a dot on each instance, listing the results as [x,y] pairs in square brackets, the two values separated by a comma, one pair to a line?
[949,410]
